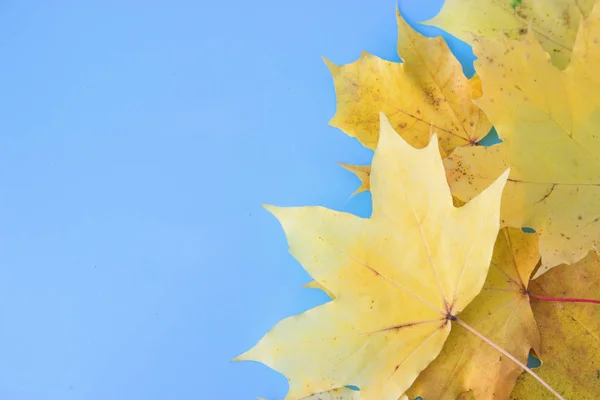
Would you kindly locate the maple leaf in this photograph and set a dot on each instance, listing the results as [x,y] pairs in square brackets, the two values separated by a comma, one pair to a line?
[502,313]
[554,22]
[427,90]
[570,333]
[398,277]
[548,120]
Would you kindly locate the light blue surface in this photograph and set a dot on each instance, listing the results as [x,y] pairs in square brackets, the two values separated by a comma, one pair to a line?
[138,140]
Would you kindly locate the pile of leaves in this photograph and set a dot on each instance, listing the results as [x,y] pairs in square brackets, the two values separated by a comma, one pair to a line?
[442,293]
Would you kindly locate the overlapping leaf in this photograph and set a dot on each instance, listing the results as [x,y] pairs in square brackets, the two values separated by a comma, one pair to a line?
[549,121]
[570,334]
[501,312]
[554,22]
[428,91]
[398,277]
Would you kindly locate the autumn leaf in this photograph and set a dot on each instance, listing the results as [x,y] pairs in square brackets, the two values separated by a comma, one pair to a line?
[570,332]
[548,120]
[399,277]
[502,313]
[554,22]
[428,91]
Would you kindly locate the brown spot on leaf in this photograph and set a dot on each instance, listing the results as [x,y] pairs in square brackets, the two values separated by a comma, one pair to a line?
[430,97]
[566,17]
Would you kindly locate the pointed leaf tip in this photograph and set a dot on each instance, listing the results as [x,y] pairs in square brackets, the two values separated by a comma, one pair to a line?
[399,15]
[500,181]
[387,133]
[385,128]
[330,64]
[271,208]
[504,176]
[433,140]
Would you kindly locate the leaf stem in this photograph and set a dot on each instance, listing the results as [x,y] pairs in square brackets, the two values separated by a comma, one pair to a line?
[501,350]
[564,299]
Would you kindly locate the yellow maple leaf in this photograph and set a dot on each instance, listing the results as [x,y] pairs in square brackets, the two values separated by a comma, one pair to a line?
[398,277]
[570,332]
[548,120]
[554,22]
[427,91]
[502,313]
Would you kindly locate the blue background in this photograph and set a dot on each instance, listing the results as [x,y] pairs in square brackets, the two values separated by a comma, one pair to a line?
[139,139]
